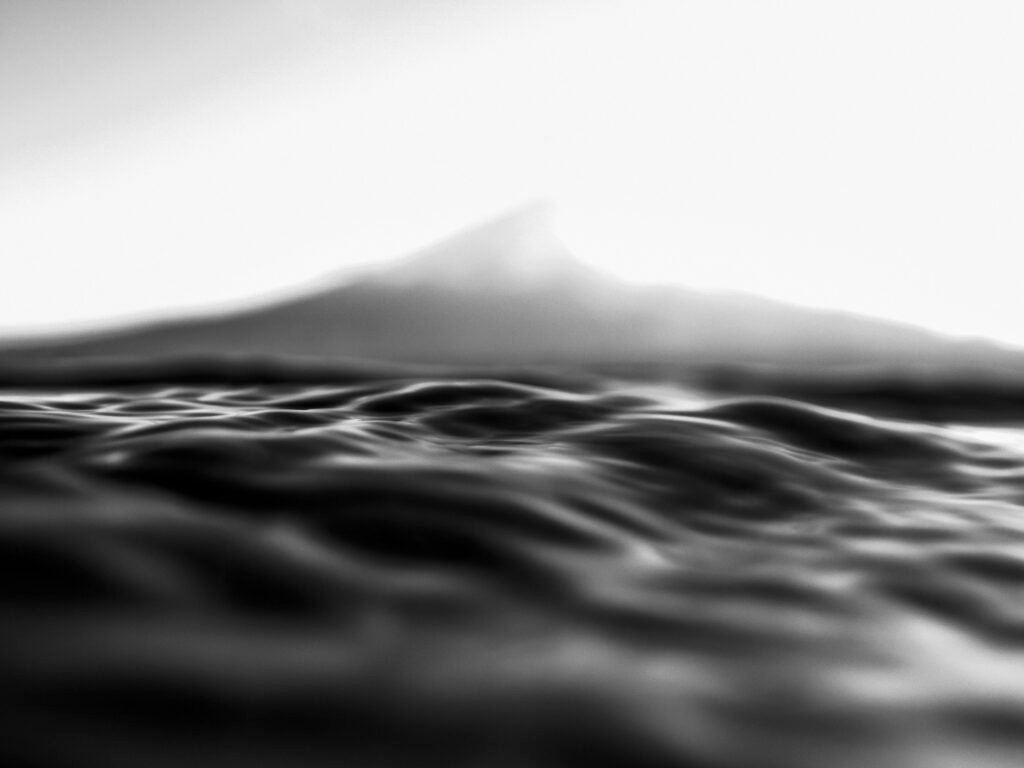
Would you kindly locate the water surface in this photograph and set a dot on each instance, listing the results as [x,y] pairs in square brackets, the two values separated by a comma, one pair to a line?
[477,572]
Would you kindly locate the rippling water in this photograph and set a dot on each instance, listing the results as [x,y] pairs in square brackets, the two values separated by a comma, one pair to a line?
[461,572]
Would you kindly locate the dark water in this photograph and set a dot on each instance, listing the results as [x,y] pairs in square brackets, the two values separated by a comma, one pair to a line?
[482,573]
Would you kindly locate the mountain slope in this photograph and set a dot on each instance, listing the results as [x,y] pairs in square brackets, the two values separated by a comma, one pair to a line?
[509,291]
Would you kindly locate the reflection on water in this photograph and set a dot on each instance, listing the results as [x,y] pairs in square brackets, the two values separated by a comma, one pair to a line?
[463,572]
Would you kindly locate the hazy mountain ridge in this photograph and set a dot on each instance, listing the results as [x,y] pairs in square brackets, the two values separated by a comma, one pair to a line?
[510,291]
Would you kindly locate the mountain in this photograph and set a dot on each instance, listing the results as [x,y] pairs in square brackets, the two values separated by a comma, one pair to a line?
[509,291]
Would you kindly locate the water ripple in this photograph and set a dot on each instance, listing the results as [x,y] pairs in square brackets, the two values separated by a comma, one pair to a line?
[483,572]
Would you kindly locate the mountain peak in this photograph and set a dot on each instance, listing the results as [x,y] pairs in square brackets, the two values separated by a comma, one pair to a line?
[517,249]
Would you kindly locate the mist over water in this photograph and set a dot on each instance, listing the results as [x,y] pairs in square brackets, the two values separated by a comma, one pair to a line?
[471,571]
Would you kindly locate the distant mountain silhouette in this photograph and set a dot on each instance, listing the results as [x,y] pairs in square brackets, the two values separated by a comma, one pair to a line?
[509,291]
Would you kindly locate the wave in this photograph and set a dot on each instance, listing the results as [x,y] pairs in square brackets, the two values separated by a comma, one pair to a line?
[503,571]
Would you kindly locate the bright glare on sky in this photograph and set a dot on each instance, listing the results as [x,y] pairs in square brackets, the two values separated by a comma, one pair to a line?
[861,155]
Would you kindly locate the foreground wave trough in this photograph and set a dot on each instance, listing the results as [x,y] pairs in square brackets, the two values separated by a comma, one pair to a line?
[477,572]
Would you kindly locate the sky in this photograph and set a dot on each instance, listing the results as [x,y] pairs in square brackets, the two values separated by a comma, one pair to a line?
[160,157]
